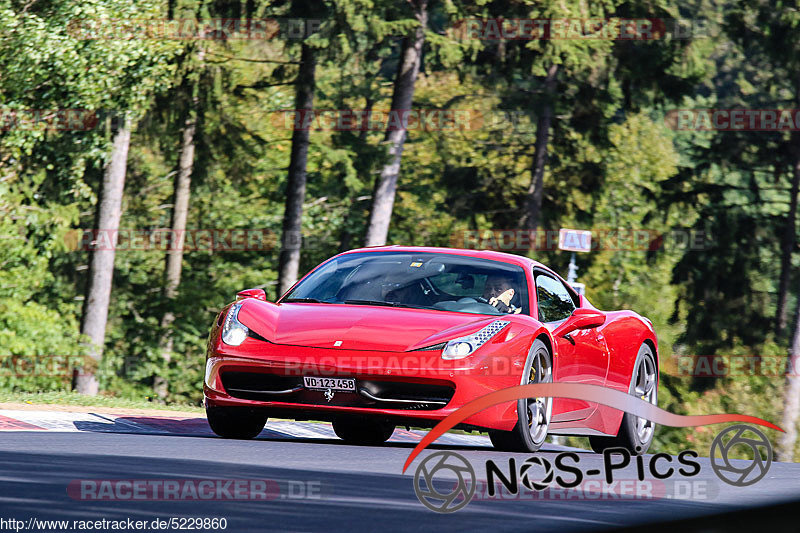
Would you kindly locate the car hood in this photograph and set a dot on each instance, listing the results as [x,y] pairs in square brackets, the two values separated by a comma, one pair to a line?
[356,327]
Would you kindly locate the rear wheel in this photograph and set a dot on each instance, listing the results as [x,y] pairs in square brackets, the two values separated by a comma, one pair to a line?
[362,431]
[635,434]
[235,422]
[533,414]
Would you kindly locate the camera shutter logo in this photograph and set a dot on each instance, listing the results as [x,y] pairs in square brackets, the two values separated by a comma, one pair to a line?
[448,465]
[746,474]
[546,479]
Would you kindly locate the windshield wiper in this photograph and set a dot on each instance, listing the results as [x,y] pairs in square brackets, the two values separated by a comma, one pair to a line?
[384,304]
[304,300]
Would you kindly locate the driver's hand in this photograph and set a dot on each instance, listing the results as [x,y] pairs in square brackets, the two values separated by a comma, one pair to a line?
[504,298]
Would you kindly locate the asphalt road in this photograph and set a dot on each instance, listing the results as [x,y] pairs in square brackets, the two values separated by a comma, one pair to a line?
[325,485]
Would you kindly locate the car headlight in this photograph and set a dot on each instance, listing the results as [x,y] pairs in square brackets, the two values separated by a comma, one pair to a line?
[234,332]
[463,346]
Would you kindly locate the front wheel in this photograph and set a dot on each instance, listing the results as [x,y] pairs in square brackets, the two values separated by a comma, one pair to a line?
[533,414]
[635,434]
[235,422]
[362,431]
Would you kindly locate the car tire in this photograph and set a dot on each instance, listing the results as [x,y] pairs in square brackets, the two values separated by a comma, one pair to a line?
[525,437]
[362,431]
[635,434]
[235,422]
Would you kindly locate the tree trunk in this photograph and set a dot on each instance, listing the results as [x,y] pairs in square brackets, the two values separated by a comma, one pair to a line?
[532,205]
[95,311]
[402,97]
[791,397]
[180,213]
[289,262]
[788,243]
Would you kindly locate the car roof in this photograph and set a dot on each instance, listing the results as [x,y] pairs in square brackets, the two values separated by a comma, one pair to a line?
[484,254]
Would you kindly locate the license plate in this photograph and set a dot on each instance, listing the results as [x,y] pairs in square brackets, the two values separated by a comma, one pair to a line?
[334,384]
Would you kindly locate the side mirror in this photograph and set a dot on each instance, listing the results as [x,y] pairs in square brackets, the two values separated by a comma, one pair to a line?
[258,294]
[581,318]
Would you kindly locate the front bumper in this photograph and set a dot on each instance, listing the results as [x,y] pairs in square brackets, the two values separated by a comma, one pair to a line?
[416,388]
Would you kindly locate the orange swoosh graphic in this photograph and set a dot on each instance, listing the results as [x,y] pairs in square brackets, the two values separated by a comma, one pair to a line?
[578,391]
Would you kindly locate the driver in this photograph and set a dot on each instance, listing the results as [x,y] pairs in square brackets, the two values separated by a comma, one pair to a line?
[499,291]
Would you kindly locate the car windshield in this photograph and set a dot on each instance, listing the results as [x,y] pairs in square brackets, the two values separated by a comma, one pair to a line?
[417,280]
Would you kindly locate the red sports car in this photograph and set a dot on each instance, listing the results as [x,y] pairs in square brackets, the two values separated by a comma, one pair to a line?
[379,337]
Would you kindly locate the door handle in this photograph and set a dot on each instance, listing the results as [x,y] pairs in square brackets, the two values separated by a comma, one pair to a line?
[569,338]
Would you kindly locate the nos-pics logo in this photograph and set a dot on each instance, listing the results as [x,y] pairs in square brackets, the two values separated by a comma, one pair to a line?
[742,473]
[445,481]
[449,467]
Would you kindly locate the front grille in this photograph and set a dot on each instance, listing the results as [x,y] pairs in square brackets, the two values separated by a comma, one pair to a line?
[401,391]
[371,393]
[260,385]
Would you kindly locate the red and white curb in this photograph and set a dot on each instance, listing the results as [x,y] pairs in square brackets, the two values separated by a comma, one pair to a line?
[65,421]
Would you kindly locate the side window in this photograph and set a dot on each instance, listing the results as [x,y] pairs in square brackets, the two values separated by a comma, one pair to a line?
[555,302]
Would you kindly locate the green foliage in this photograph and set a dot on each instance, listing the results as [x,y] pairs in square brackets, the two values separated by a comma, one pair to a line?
[103,400]
[613,166]
[34,325]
